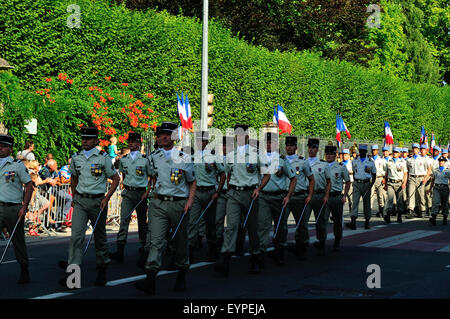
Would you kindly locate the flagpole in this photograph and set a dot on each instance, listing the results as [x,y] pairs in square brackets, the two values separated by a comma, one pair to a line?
[204,101]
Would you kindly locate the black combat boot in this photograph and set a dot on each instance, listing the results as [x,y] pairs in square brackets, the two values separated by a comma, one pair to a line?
[433,220]
[428,212]
[380,212]
[337,244]
[212,254]
[261,259]
[420,214]
[254,264]
[410,214]
[118,255]
[294,249]
[303,252]
[444,221]
[280,257]
[101,276]
[222,266]
[320,246]
[142,260]
[366,224]
[24,275]
[147,285]
[180,283]
[399,217]
[191,255]
[387,218]
[352,224]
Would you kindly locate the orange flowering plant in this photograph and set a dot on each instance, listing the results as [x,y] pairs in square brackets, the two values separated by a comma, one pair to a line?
[112,106]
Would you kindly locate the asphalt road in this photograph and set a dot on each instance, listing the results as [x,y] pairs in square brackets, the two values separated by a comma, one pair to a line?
[414,261]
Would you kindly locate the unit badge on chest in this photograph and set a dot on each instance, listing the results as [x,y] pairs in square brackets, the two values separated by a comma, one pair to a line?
[251,168]
[140,170]
[96,170]
[175,175]
[10,176]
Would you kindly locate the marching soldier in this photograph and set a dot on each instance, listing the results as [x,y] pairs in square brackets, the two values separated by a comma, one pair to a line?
[348,164]
[89,171]
[13,202]
[173,198]
[243,167]
[378,187]
[322,186]
[430,164]
[395,182]
[302,195]
[418,171]
[273,201]
[207,170]
[338,175]
[364,170]
[222,200]
[439,184]
[135,169]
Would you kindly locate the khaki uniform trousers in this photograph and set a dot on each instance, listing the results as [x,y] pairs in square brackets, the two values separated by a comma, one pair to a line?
[270,207]
[129,201]
[88,209]
[167,214]
[238,204]
[361,189]
[8,219]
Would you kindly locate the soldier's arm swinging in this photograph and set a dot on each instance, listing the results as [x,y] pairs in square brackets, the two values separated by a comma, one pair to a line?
[327,193]
[190,201]
[73,187]
[220,187]
[346,189]
[115,183]
[264,181]
[26,199]
[312,182]
[149,187]
[291,189]
[427,175]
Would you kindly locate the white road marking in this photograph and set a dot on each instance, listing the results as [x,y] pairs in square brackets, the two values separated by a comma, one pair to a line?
[445,249]
[400,239]
[55,295]
[14,261]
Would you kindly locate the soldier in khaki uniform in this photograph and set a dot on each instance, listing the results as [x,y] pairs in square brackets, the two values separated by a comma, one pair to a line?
[227,145]
[439,184]
[348,164]
[431,164]
[89,171]
[273,198]
[135,169]
[13,201]
[338,175]
[395,181]
[244,166]
[418,171]
[302,196]
[173,198]
[207,170]
[322,186]
[364,169]
[378,187]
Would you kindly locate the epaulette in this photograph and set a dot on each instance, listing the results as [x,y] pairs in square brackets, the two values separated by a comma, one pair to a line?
[76,154]
[282,156]
[323,160]
[342,164]
[17,161]
[144,155]
[213,152]
[103,153]
[301,157]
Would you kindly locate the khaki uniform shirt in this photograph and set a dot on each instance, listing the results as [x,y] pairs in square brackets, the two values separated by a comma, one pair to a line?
[207,168]
[302,169]
[92,172]
[278,174]
[321,174]
[417,165]
[338,173]
[136,170]
[172,174]
[13,174]
[396,169]
[244,167]
[363,169]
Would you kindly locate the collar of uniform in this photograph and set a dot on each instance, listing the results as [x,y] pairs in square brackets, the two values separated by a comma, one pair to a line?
[243,148]
[312,160]
[387,158]
[441,168]
[395,159]
[291,157]
[331,164]
[435,157]
[8,159]
[136,155]
[91,152]
[415,156]
[362,159]
[375,157]
[345,162]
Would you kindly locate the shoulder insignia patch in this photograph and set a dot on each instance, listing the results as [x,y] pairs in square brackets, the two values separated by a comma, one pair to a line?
[283,157]
[322,160]
[103,153]
[301,157]
[17,161]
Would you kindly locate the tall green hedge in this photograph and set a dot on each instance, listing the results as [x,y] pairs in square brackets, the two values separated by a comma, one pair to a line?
[161,53]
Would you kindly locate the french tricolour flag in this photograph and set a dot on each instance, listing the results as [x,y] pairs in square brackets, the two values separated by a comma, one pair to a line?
[389,138]
[184,111]
[340,127]
[281,120]
[422,136]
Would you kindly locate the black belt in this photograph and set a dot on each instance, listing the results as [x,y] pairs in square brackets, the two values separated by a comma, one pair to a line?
[362,180]
[129,188]
[395,180]
[320,191]
[171,198]
[206,188]
[417,175]
[335,193]
[242,188]
[9,204]
[91,195]
[274,193]
[300,193]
